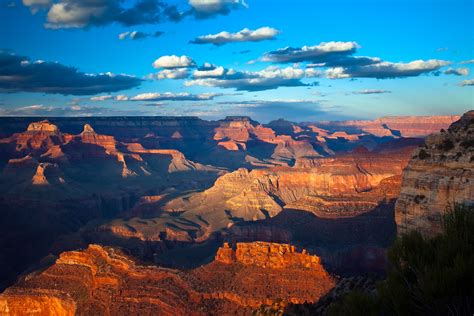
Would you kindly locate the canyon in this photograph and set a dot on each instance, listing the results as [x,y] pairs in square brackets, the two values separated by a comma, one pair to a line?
[104,281]
[178,214]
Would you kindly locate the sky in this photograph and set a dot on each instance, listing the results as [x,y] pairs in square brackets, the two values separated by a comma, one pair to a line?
[301,60]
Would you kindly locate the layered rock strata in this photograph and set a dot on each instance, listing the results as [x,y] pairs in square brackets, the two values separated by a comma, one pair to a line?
[102,281]
[439,175]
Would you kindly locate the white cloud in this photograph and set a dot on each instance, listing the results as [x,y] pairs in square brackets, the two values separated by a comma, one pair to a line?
[211,7]
[336,73]
[457,72]
[471,61]
[215,72]
[468,82]
[173,61]
[178,73]
[371,91]
[184,96]
[136,35]
[245,35]
[102,98]
[268,78]
[318,53]
[35,5]
[73,15]
[120,97]
[84,13]
[123,35]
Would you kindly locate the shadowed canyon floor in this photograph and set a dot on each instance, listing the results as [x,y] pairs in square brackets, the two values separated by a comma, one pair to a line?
[158,197]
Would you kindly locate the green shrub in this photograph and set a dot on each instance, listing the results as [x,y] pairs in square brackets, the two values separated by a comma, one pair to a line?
[427,276]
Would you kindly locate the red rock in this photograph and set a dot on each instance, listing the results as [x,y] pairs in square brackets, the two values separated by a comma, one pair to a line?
[103,281]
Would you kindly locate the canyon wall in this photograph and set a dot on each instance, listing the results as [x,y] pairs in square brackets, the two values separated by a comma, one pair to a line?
[405,126]
[103,281]
[440,174]
[341,186]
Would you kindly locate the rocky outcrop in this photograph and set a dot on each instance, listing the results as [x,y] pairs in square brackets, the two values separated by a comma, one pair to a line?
[103,281]
[39,177]
[39,137]
[43,126]
[439,174]
[268,255]
[89,136]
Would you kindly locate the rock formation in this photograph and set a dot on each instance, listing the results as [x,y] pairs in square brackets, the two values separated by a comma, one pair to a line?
[39,136]
[103,281]
[439,174]
[341,186]
[268,255]
[405,126]
[39,177]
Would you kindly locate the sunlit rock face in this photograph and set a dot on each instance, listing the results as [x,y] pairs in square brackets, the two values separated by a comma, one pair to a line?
[268,255]
[404,126]
[103,281]
[241,133]
[329,187]
[440,174]
[39,136]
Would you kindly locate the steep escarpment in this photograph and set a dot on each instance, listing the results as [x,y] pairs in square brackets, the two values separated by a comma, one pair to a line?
[103,281]
[346,186]
[440,173]
[261,142]
[405,126]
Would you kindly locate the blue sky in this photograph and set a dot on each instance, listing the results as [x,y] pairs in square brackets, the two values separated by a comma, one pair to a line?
[421,58]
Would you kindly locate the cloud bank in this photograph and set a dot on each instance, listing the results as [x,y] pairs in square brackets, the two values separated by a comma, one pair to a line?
[19,74]
[169,96]
[245,35]
[387,70]
[339,58]
[86,13]
[266,79]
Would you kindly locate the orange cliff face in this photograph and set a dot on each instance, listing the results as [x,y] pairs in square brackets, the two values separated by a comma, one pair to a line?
[348,185]
[439,174]
[102,281]
[39,136]
[268,255]
[234,133]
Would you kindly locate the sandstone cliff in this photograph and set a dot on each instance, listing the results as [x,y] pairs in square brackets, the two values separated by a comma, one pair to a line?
[102,281]
[440,173]
[268,255]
